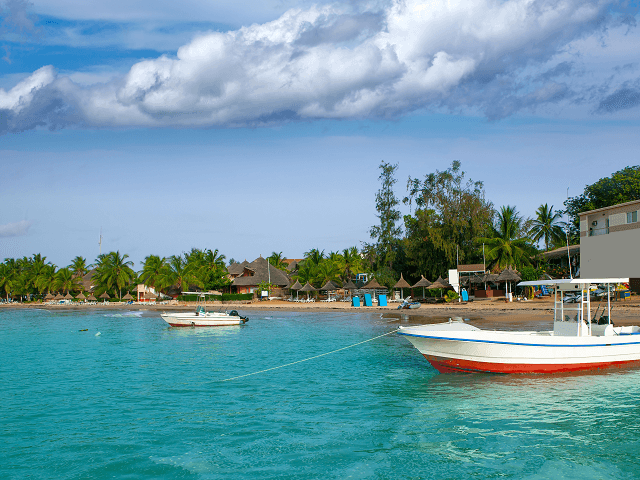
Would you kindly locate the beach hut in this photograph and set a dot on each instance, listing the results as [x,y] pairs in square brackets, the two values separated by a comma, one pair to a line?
[507,276]
[68,296]
[49,297]
[91,298]
[308,288]
[127,297]
[296,286]
[424,283]
[81,296]
[373,285]
[350,287]
[58,297]
[105,296]
[329,287]
[402,284]
[439,283]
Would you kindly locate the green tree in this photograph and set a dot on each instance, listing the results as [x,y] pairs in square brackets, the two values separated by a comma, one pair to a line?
[351,262]
[66,281]
[79,266]
[46,281]
[212,271]
[153,270]
[7,278]
[114,272]
[623,186]
[508,245]
[180,273]
[325,271]
[387,233]
[450,213]
[547,226]
[277,260]
[314,255]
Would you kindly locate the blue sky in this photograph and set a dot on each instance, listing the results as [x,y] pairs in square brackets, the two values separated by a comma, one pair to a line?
[254,127]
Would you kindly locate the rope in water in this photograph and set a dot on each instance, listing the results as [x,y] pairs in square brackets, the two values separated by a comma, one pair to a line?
[307,359]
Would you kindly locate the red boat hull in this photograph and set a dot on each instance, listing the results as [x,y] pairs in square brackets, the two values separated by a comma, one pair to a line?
[453,365]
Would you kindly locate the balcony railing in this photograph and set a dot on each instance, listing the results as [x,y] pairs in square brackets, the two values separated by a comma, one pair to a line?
[594,232]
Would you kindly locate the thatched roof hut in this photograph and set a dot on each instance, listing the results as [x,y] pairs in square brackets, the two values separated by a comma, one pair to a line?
[81,296]
[68,296]
[349,285]
[402,283]
[260,271]
[372,285]
[329,286]
[509,275]
[308,288]
[127,297]
[49,297]
[91,298]
[296,286]
[105,295]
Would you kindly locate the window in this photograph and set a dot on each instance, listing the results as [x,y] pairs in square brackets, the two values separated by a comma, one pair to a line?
[632,217]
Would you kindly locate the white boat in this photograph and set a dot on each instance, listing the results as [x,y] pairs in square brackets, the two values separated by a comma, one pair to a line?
[201,318]
[577,342]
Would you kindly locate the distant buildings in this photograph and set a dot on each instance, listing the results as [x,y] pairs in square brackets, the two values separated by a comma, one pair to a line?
[609,238]
[247,276]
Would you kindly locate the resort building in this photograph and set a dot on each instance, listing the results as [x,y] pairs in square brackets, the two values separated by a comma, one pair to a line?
[254,273]
[608,240]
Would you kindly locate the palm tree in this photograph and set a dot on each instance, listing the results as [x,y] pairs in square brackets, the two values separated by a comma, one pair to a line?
[152,270]
[306,271]
[547,226]
[507,245]
[79,266]
[180,274]
[66,280]
[278,261]
[351,262]
[7,278]
[46,281]
[327,270]
[314,255]
[114,271]
[212,271]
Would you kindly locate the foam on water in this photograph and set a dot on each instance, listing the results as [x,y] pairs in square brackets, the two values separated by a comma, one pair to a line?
[144,400]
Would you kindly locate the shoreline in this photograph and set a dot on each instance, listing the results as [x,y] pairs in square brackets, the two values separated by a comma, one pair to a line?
[625,312]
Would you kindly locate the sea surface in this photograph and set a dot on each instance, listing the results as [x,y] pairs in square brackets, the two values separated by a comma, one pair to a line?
[131,398]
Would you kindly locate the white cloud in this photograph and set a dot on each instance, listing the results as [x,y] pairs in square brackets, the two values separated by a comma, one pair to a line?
[335,62]
[17,229]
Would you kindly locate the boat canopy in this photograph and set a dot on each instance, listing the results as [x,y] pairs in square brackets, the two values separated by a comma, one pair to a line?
[573,281]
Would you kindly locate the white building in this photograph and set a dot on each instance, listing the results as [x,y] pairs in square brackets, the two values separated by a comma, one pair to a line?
[609,241]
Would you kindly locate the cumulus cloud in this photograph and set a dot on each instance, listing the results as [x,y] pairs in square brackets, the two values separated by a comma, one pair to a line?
[17,229]
[331,62]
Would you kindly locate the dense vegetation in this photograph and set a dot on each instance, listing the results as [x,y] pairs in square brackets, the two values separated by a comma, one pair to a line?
[450,222]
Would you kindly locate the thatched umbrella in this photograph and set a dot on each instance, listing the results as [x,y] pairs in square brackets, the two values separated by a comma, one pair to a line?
[423,282]
[508,275]
[127,297]
[402,284]
[68,296]
[308,288]
[489,277]
[373,285]
[105,296]
[439,283]
[49,297]
[59,297]
[296,286]
[91,298]
[81,296]
[329,287]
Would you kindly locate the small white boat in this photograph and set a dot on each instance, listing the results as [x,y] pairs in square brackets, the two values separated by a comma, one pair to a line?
[202,318]
[577,342]
[408,304]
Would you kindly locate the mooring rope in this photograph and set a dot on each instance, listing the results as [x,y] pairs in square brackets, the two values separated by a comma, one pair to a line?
[307,359]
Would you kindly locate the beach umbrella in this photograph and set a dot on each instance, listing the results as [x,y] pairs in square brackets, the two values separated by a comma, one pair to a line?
[127,297]
[402,284]
[350,285]
[329,287]
[373,285]
[423,282]
[439,283]
[49,297]
[489,277]
[296,286]
[68,296]
[508,275]
[105,296]
[59,297]
[91,298]
[308,288]
[81,296]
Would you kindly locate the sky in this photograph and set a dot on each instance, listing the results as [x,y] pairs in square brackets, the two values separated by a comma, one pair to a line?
[253,127]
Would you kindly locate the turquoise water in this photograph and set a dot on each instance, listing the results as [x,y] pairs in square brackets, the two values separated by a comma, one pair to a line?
[143,400]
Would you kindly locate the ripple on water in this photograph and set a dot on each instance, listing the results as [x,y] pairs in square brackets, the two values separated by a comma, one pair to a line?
[145,401]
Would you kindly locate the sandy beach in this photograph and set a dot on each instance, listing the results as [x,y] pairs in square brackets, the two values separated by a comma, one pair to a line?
[494,312]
